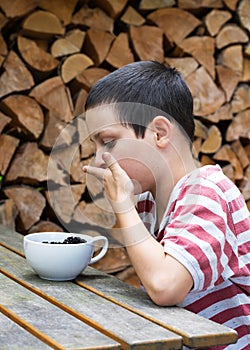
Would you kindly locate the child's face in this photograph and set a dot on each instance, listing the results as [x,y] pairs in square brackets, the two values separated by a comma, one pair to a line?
[136,156]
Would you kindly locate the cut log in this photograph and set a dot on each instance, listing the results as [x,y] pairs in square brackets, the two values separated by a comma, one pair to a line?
[17,8]
[196,147]
[42,24]
[74,65]
[8,145]
[3,20]
[3,47]
[230,34]
[1,60]
[147,42]
[8,213]
[245,189]
[25,112]
[243,13]
[90,76]
[29,165]
[247,149]
[68,160]
[200,129]
[87,149]
[97,44]
[94,18]
[176,23]
[97,213]
[53,128]
[4,120]
[226,154]
[202,50]
[29,203]
[115,260]
[239,127]
[15,77]
[80,102]
[94,185]
[247,50]
[213,142]
[223,113]
[35,56]
[120,53]
[87,146]
[241,153]
[64,200]
[62,9]
[245,185]
[190,4]
[45,226]
[231,4]
[232,57]
[55,175]
[241,98]
[72,43]
[130,277]
[228,79]
[200,82]
[246,70]
[185,65]
[215,19]
[132,17]
[228,170]
[155,4]
[112,7]
[53,95]
[206,160]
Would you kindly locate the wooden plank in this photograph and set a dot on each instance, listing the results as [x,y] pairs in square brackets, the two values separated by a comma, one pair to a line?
[14,337]
[47,322]
[195,330]
[129,329]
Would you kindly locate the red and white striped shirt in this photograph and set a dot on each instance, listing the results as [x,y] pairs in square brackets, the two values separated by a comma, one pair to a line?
[206,227]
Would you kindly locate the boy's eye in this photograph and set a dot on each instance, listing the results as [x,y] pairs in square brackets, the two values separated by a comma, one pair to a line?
[109,144]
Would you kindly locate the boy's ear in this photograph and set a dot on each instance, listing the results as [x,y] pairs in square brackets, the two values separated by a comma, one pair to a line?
[162,129]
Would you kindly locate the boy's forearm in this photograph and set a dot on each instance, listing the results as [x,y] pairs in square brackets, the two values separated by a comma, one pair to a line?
[166,281]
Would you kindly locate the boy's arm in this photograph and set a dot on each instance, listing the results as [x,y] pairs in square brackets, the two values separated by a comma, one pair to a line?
[165,279]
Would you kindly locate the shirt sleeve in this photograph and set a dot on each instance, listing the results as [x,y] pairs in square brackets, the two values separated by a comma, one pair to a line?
[198,234]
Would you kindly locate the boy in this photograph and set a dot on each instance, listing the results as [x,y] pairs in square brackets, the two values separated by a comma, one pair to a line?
[188,234]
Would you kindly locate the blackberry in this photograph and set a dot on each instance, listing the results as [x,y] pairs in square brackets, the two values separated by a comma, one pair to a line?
[69,240]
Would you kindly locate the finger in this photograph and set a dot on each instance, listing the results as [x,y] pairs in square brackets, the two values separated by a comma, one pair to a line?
[111,162]
[97,172]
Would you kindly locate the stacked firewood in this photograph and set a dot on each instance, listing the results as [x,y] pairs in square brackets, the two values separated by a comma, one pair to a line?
[52,52]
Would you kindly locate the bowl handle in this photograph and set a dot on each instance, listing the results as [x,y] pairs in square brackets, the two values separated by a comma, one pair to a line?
[103,250]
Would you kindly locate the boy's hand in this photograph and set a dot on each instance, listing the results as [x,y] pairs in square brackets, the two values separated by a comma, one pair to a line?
[117,184]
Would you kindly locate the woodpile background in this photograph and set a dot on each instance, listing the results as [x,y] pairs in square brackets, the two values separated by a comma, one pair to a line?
[52,52]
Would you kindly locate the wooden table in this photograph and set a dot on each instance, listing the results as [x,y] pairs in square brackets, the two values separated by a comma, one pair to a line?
[95,311]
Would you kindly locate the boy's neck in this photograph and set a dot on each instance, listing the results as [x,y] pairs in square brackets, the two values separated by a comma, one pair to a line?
[177,169]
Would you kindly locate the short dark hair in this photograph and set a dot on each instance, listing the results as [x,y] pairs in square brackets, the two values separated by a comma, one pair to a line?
[146,83]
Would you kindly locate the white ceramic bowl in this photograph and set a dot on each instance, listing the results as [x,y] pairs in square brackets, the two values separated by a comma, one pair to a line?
[61,262]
